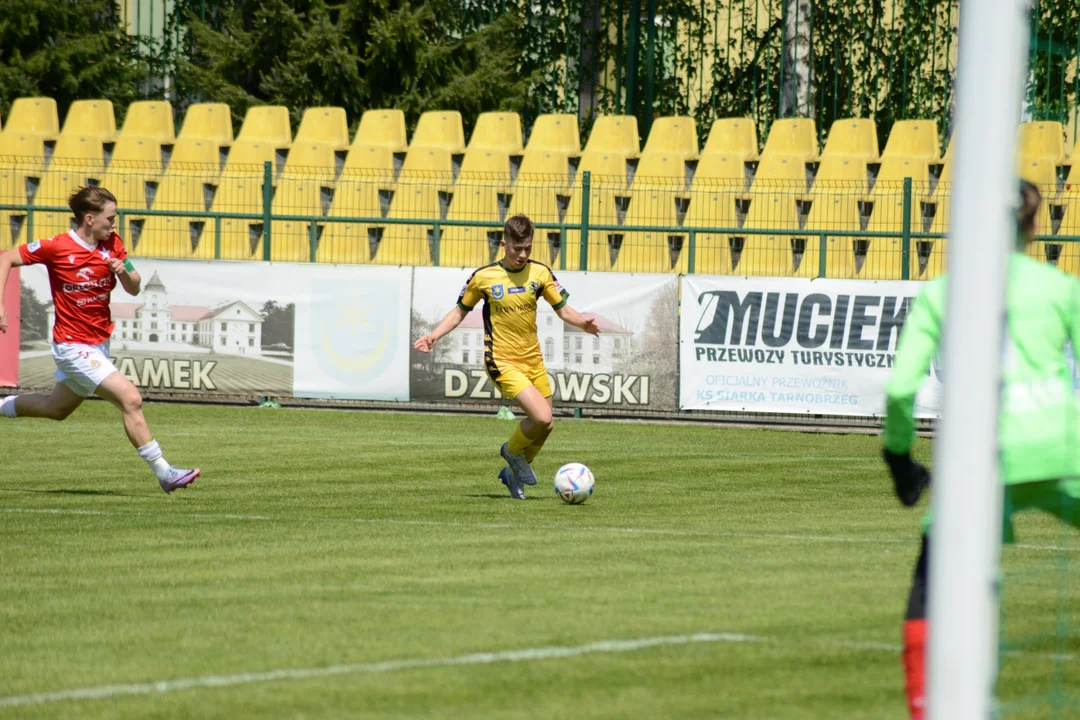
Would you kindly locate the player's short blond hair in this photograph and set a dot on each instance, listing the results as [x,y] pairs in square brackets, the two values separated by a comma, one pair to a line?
[89,199]
[518,229]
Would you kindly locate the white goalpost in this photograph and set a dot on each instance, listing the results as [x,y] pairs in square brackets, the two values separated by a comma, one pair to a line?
[967,494]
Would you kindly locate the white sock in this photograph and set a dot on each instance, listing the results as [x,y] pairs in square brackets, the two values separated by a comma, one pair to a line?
[7,406]
[151,453]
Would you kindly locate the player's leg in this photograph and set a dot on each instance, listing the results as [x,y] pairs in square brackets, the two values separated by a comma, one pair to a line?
[915,628]
[536,425]
[122,393]
[538,443]
[57,405]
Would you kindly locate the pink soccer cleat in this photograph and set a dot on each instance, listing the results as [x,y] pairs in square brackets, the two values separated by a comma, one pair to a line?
[178,478]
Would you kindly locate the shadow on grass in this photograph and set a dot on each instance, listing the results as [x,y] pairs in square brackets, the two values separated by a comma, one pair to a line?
[100,493]
[497,496]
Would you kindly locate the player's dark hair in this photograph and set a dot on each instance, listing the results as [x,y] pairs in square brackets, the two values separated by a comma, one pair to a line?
[1030,199]
[89,199]
[518,228]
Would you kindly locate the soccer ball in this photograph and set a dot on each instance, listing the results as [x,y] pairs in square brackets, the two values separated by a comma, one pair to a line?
[574,483]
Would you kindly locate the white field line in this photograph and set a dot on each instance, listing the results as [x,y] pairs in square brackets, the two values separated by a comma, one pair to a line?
[105,692]
[603,647]
[742,535]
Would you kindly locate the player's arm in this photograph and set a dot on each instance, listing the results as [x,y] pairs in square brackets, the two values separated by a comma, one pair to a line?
[570,316]
[446,325]
[8,260]
[126,273]
[919,342]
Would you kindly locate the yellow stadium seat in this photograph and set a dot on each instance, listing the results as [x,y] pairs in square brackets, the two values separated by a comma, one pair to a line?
[711,206]
[1042,139]
[607,168]
[249,156]
[928,257]
[736,137]
[208,121]
[152,119]
[893,170]
[93,118]
[792,136]
[1039,170]
[499,130]
[417,197]
[670,169]
[558,133]
[305,195]
[22,156]
[550,168]
[267,124]
[602,244]
[856,137]
[472,246]
[654,251]
[196,156]
[178,236]
[136,162]
[913,138]
[882,256]
[617,134]
[716,170]
[841,174]
[310,158]
[780,173]
[364,182]
[239,192]
[440,129]
[382,127]
[77,161]
[34,116]
[539,201]
[676,135]
[326,125]
[838,213]
[485,165]
[778,255]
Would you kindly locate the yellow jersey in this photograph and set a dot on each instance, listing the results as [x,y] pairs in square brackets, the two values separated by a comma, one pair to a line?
[510,299]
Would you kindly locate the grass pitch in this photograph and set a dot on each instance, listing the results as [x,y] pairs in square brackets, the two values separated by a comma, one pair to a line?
[333,564]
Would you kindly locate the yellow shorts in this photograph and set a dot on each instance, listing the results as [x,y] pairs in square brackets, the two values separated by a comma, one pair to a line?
[512,380]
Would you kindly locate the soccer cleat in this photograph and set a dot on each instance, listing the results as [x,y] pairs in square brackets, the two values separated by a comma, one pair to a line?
[518,465]
[506,475]
[178,479]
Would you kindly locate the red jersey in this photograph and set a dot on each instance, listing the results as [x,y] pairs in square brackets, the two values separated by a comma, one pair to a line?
[81,283]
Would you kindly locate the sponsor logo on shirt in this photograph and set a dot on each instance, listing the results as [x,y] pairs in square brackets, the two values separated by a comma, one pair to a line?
[33,247]
[535,288]
[497,292]
[71,259]
[516,290]
[85,274]
[83,286]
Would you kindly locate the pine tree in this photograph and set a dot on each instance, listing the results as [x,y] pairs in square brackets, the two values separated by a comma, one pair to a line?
[359,55]
[67,51]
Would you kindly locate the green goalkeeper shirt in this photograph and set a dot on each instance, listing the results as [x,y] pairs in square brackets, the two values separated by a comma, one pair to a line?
[1039,435]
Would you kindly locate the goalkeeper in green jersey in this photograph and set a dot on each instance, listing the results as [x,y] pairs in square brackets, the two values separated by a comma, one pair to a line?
[1039,432]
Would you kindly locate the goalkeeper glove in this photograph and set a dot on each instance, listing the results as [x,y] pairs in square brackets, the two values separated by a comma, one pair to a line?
[910,478]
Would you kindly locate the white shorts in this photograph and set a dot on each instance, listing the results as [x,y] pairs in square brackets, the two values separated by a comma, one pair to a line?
[82,367]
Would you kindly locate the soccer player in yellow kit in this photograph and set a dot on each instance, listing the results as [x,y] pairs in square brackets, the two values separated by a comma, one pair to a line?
[510,289]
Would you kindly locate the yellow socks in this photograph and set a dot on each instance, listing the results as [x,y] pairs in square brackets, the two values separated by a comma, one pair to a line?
[518,442]
[534,449]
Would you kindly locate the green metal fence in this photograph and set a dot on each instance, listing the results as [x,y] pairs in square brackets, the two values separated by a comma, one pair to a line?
[687,221]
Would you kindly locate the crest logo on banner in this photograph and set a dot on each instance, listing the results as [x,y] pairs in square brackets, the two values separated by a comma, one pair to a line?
[354,331]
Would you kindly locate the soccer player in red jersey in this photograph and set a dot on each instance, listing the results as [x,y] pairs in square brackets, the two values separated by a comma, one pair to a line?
[84,265]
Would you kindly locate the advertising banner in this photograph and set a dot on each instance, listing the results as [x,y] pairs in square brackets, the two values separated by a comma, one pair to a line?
[781,345]
[245,328]
[631,365]
[9,342]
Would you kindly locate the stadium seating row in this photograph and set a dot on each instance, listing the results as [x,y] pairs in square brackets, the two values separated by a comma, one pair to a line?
[317,177]
[497,130]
